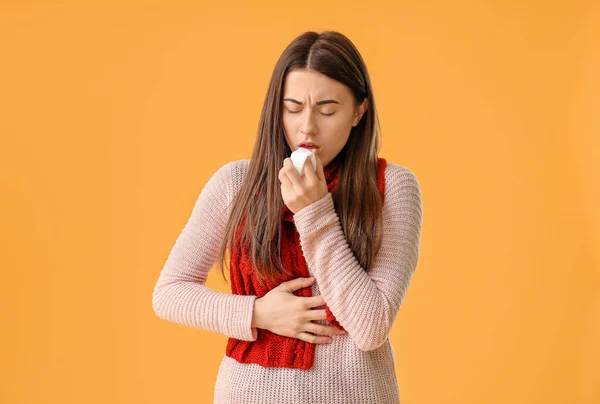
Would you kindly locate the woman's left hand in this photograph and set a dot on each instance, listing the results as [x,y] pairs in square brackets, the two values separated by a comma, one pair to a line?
[298,192]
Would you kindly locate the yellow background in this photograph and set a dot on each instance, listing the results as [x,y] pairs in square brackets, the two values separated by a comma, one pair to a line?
[113,117]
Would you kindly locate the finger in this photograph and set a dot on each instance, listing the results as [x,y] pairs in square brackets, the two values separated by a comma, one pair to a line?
[293,175]
[314,301]
[285,180]
[315,339]
[319,170]
[319,329]
[309,171]
[295,284]
[314,314]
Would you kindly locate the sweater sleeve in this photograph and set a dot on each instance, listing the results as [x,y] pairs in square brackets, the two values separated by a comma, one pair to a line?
[180,294]
[365,303]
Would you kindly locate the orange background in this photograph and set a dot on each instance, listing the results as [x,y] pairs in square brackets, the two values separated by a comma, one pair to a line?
[113,117]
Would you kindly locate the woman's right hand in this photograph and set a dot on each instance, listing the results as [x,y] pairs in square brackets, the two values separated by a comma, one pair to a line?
[283,313]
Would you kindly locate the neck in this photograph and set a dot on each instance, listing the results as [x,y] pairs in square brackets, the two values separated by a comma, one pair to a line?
[331,170]
[334,164]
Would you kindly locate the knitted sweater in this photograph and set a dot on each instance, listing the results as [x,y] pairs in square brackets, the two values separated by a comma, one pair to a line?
[271,349]
[355,368]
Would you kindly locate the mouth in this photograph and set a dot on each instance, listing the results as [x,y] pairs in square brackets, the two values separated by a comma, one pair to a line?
[312,147]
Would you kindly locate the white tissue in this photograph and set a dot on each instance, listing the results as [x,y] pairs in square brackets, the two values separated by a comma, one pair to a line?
[299,156]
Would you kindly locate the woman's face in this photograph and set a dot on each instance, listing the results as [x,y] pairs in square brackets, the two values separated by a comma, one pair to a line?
[320,110]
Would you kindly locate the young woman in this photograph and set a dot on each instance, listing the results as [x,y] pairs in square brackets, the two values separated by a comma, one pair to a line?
[320,260]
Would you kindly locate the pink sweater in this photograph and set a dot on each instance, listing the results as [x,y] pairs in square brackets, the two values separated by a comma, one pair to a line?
[355,368]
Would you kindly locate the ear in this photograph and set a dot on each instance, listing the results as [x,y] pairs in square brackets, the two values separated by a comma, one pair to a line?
[360,111]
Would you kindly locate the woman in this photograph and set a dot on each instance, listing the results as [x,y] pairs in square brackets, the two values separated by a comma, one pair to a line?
[320,259]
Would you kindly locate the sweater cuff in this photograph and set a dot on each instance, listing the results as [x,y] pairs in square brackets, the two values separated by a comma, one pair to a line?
[243,330]
[315,216]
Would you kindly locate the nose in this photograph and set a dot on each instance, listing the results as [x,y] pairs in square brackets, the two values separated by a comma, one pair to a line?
[308,124]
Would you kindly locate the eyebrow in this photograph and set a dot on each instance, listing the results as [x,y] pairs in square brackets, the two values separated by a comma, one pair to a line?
[318,102]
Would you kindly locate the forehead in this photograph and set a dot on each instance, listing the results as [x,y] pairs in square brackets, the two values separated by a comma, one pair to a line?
[303,83]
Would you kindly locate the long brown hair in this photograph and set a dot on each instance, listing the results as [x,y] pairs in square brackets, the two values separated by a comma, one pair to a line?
[357,199]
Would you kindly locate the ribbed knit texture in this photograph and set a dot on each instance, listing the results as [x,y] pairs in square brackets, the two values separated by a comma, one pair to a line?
[270,349]
[355,368]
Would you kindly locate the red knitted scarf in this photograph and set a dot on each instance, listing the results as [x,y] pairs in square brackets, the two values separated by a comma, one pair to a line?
[270,349]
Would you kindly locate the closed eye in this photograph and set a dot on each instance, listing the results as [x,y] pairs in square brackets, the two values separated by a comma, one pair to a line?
[296,112]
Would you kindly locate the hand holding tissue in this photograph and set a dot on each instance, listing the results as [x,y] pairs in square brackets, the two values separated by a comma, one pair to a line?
[299,156]
[302,186]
